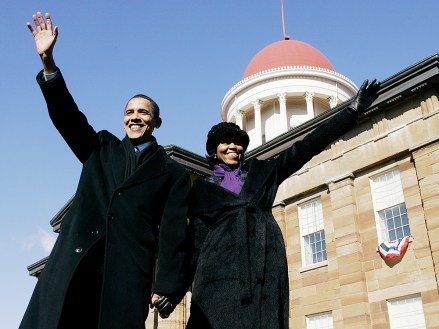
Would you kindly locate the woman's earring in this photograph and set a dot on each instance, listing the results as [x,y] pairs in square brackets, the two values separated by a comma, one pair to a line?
[215,156]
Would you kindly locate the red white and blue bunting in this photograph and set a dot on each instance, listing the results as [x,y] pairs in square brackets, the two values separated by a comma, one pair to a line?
[395,248]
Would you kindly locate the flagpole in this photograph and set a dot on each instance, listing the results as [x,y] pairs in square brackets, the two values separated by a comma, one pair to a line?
[283,21]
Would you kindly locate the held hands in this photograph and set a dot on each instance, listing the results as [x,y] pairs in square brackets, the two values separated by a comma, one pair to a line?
[163,305]
[45,38]
[364,98]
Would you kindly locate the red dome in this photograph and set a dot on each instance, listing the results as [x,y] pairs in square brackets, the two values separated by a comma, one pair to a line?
[287,53]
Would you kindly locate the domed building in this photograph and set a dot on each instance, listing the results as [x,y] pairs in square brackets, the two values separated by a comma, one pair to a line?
[285,84]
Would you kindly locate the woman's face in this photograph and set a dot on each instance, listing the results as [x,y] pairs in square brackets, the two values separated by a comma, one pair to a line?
[229,152]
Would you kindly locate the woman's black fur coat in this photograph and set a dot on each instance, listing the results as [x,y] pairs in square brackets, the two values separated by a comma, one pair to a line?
[241,278]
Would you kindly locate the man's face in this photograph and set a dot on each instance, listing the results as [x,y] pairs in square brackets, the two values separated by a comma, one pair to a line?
[139,121]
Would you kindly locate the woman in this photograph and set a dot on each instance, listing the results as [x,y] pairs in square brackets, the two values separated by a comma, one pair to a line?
[241,277]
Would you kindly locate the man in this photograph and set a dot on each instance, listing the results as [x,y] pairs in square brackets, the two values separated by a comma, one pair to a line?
[100,271]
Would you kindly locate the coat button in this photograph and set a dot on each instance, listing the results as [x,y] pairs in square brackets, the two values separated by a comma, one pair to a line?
[119,193]
[78,250]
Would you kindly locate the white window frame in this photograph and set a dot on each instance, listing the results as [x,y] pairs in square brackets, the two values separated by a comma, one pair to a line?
[326,321]
[310,221]
[387,192]
[406,312]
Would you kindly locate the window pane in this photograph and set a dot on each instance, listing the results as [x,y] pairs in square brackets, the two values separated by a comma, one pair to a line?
[320,321]
[403,208]
[387,190]
[316,246]
[319,257]
[392,235]
[404,219]
[319,236]
[388,213]
[406,313]
[312,231]
[390,224]
[399,233]
[398,221]
[311,217]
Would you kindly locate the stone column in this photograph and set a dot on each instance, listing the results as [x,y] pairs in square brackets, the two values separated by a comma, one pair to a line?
[309,105]
[332,101]
[258,122]
[348,249]
[240,118]
[283,112]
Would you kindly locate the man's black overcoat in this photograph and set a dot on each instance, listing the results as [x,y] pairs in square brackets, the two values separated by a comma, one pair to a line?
[123,206]
[241,279]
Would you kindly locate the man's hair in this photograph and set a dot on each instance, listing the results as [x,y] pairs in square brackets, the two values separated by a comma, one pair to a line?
[154,107]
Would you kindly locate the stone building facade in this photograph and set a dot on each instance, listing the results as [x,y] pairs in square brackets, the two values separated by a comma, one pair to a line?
[350,285]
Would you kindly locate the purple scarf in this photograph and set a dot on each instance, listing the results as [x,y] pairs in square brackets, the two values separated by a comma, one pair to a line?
[231,179]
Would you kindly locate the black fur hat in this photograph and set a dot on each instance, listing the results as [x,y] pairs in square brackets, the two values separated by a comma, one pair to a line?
[223,130]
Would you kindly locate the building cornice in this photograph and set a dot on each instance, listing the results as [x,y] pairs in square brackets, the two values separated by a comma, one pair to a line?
[192,162]
[36,268]
[55,222]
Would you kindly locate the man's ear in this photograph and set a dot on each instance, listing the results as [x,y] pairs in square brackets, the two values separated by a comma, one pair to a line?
[158,122]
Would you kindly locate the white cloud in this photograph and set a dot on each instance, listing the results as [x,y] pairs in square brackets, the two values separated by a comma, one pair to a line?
[46,240]
[42,238]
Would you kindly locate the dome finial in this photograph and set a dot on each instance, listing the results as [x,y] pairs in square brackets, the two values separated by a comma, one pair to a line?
[286,37]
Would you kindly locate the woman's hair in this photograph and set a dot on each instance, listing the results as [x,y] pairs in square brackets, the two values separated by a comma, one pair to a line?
[221,132]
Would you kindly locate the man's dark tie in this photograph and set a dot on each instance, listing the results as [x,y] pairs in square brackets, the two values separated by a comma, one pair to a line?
[137,152]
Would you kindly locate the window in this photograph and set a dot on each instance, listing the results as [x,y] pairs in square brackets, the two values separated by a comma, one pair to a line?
[320,321]
[395,222]
[389,206]
[312,232]
[406,313]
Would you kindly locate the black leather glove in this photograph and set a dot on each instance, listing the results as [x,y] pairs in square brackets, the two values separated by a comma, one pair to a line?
[364,98]
[164,306]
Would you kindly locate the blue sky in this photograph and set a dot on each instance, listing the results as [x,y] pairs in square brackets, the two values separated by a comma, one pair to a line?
[184,54]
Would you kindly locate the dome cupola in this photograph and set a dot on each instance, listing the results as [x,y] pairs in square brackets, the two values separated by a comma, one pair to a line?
[285,84]
[287,53]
